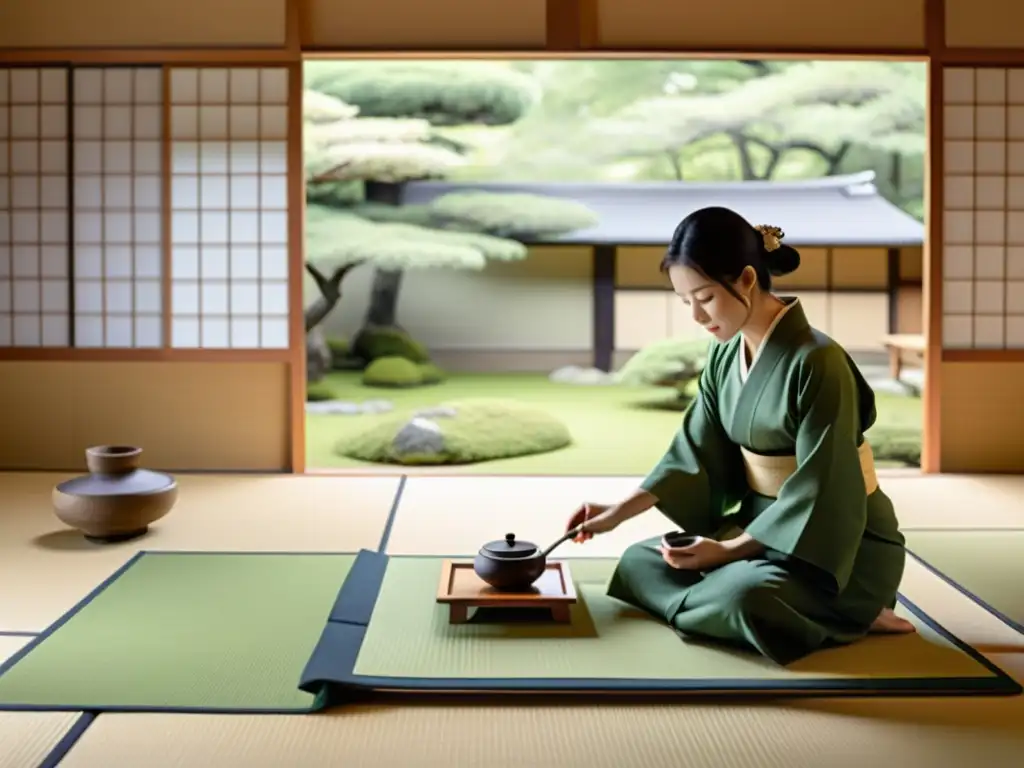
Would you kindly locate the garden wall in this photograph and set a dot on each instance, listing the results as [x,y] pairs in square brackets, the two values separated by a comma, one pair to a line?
[537,314]
[844,292]
[531,315]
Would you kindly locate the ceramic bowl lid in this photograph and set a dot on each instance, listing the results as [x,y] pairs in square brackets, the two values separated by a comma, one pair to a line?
[510,548]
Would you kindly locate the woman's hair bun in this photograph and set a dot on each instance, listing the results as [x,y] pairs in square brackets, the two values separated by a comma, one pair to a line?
[782,260]
[779,259]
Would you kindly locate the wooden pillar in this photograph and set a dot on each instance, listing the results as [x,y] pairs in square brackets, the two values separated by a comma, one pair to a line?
[892,287]
[604,305]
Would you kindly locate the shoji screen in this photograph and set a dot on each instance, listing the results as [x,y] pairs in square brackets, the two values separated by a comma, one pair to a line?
[34,292]
[229,208]
[117,121]
[983,250]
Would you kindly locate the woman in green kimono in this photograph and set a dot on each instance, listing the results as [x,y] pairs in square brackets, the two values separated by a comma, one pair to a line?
[772,448]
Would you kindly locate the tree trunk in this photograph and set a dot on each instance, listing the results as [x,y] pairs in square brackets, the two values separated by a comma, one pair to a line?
[747,172]
[383,309]
[836,158]
[330,293]
[896,174]
[677,166]
[776,151]
[320,309]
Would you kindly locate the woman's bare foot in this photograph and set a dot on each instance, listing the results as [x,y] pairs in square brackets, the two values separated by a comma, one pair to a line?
[889,623]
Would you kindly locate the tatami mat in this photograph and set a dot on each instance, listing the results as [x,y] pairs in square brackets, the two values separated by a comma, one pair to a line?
[957,501]
[959,614]
[26,738]
[796,735]
[447,515]
[11,644]
[456,515]
[46,568]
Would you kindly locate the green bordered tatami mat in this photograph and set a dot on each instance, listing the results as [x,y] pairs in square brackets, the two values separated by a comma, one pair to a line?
[985,565]
[407,644]
[205,632]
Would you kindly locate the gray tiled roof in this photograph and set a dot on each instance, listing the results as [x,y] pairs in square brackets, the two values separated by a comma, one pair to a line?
[830,211]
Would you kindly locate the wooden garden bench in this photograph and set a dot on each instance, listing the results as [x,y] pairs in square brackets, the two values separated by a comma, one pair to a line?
[897,344]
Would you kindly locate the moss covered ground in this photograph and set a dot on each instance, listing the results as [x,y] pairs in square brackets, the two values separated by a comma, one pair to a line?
[616,430]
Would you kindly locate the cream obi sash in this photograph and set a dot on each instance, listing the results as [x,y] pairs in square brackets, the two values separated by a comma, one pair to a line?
[766,474]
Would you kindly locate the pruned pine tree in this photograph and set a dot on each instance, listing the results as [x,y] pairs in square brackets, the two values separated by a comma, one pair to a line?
[372,127]
[821,107]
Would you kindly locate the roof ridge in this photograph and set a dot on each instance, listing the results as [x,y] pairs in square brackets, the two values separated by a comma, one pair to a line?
[843,182]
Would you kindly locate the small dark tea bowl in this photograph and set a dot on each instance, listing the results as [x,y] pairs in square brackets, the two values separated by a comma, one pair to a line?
[676,539]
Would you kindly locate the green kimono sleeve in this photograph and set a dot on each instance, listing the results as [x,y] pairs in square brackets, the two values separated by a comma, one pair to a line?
[820,514]
[701,475]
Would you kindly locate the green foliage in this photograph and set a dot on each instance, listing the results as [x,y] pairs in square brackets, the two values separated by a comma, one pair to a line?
[335,194]
[394,214]
[341,145]
[319,391]
[393,162]
[511,215]
[915,208]
[698,120]
[335,237]
[821,103]
[598,88]
[340,353]
[487,219]
[440,92]
[896,444]
[670,362]
[481,430]
[392,372]
[374,343]
[320,109]
[431,374]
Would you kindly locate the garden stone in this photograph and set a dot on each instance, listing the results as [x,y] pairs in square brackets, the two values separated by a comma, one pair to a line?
[335,407]
[574,374]
[437,412]
[420,437]
[377,406]
[892,387]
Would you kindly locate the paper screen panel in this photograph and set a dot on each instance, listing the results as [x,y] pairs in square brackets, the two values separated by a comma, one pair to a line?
[983,249]
[118,132]
[34,292]
[229,220]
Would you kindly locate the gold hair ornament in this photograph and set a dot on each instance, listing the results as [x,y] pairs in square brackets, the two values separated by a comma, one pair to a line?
[772,236]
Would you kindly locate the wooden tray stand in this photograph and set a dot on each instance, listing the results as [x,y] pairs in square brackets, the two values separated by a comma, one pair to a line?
[461,589]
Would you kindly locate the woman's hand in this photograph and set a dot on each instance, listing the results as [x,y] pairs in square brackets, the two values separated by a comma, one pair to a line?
[702,555]
[597,518]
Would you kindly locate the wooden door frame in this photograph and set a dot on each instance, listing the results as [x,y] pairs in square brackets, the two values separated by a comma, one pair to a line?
[573,31]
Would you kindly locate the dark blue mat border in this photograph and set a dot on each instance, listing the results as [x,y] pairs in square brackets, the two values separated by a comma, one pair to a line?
[976,599]
[339,647]
[84,602]
[68,740]
[389,524]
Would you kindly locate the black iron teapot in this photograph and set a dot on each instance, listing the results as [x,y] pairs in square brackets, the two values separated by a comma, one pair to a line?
[510,565]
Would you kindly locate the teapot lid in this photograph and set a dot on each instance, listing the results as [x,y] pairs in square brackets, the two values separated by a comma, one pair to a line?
[510,548]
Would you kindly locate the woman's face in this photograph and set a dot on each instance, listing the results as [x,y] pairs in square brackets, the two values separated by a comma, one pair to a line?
[713,308]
